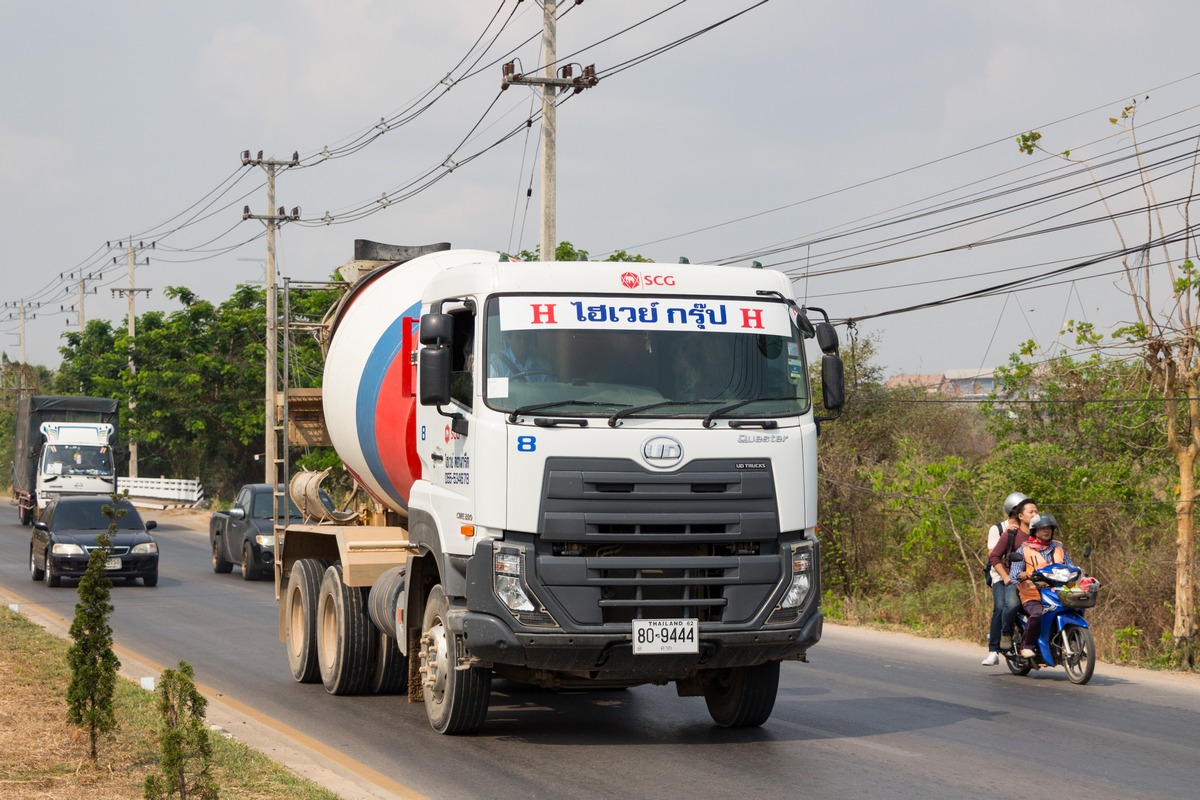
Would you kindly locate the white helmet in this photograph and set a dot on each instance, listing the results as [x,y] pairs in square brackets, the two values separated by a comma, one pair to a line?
[1013,502]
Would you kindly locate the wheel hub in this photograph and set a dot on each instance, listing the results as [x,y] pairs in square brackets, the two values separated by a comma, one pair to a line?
[435,660]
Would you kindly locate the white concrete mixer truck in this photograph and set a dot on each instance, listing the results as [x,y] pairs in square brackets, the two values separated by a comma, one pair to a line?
[591,475]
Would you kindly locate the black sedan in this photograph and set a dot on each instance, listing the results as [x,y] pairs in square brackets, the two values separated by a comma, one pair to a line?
[65,536]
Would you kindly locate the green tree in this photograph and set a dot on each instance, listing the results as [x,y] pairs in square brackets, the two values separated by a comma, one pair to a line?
[1165,336]
[90,657]
[185,751]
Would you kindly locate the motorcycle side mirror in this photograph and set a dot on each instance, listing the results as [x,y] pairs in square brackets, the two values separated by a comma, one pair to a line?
[1087,551]
[1015,558]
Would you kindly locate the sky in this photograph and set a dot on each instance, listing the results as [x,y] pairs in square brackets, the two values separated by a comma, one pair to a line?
[866,148]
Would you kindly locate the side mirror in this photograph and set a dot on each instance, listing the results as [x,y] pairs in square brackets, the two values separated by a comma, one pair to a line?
[827,338]
[1015,558]
[436,329]
[151,525]
[833,383]
[41,526]
[435,363]
[237,513]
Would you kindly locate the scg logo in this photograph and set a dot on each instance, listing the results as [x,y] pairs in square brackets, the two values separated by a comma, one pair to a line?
[631,280]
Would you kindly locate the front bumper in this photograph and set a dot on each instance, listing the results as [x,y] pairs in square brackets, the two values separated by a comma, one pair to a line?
[132,566]
[610,656]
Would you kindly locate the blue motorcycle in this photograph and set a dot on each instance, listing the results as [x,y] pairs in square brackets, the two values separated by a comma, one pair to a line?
[1065,639]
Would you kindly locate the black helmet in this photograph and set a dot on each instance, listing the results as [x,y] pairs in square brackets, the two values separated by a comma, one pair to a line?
[1043,521]
[1014,502]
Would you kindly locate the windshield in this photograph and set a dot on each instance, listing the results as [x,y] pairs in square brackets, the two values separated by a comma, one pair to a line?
[90,517]
[645,356]
[77,459]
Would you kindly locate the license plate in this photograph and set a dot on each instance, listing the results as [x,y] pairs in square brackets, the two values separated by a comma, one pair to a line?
[652,636]
[112,563]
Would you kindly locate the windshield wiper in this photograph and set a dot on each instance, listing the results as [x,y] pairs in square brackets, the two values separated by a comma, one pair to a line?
[723,410]
[616,418]
[539,406]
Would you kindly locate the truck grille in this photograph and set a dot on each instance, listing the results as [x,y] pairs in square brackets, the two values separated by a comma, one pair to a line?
[618,543]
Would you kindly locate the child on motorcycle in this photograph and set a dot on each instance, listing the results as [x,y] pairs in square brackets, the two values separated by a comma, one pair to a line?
[1040,550]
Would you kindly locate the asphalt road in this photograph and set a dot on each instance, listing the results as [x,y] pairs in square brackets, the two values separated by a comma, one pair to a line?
[873,714]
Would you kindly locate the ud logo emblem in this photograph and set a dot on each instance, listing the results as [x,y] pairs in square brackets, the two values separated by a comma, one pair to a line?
[662,451]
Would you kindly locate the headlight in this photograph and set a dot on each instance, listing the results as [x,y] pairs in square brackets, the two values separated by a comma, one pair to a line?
[145,547]
[265,539]
[802,576]
[67,550]
[508,582]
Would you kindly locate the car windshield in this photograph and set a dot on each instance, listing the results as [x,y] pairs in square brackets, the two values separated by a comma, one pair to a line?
[90,517]
[77,459]
[599,356]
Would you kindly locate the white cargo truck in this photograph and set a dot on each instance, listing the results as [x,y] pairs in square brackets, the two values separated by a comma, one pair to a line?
[584,475]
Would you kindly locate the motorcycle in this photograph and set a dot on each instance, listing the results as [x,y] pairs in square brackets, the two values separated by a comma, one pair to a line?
[1065,639]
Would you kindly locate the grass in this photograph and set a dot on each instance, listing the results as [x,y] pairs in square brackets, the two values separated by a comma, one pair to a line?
[43,755]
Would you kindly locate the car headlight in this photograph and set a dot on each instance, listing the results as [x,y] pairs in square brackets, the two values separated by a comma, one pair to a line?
[145,547]
[265,539]
[67,550]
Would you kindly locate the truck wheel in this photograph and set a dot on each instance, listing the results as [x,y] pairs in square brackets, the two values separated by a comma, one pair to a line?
[220,565]
[345,636]
[35,573]
[249,573]
[742,697]
[456,700]
[390,675]
[25,515]
[300,622]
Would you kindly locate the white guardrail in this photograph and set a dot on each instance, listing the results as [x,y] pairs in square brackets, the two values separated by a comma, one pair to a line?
[161,492]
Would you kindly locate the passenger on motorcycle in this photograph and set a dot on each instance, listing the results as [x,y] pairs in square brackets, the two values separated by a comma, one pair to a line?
[1041,549]
[1021,510]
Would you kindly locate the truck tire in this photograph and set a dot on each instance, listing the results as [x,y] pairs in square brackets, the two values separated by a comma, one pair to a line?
[249,573]
[456,700]
[35,573]
[25,515]
[300,620]
[345,636]
[390,675]
[220,565]
[742,697]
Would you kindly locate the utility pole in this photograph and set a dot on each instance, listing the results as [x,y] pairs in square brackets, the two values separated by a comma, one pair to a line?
[130,293]
[271,455]
[22,306]
[550,84]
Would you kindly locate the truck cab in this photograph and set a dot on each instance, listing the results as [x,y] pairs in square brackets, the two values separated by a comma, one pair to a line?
[76,459]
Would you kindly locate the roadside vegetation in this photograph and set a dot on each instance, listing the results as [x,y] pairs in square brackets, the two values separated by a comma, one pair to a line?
[44,755]
[909,480]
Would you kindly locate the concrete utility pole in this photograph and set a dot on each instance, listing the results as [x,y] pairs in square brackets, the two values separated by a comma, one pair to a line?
[130,293]
[271,368]
[549,84]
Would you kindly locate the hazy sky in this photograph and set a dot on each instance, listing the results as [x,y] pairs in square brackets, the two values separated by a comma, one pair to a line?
[790,134]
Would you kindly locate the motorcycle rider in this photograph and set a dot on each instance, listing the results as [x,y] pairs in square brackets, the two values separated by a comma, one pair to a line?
[1004,538]
[1039,550]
